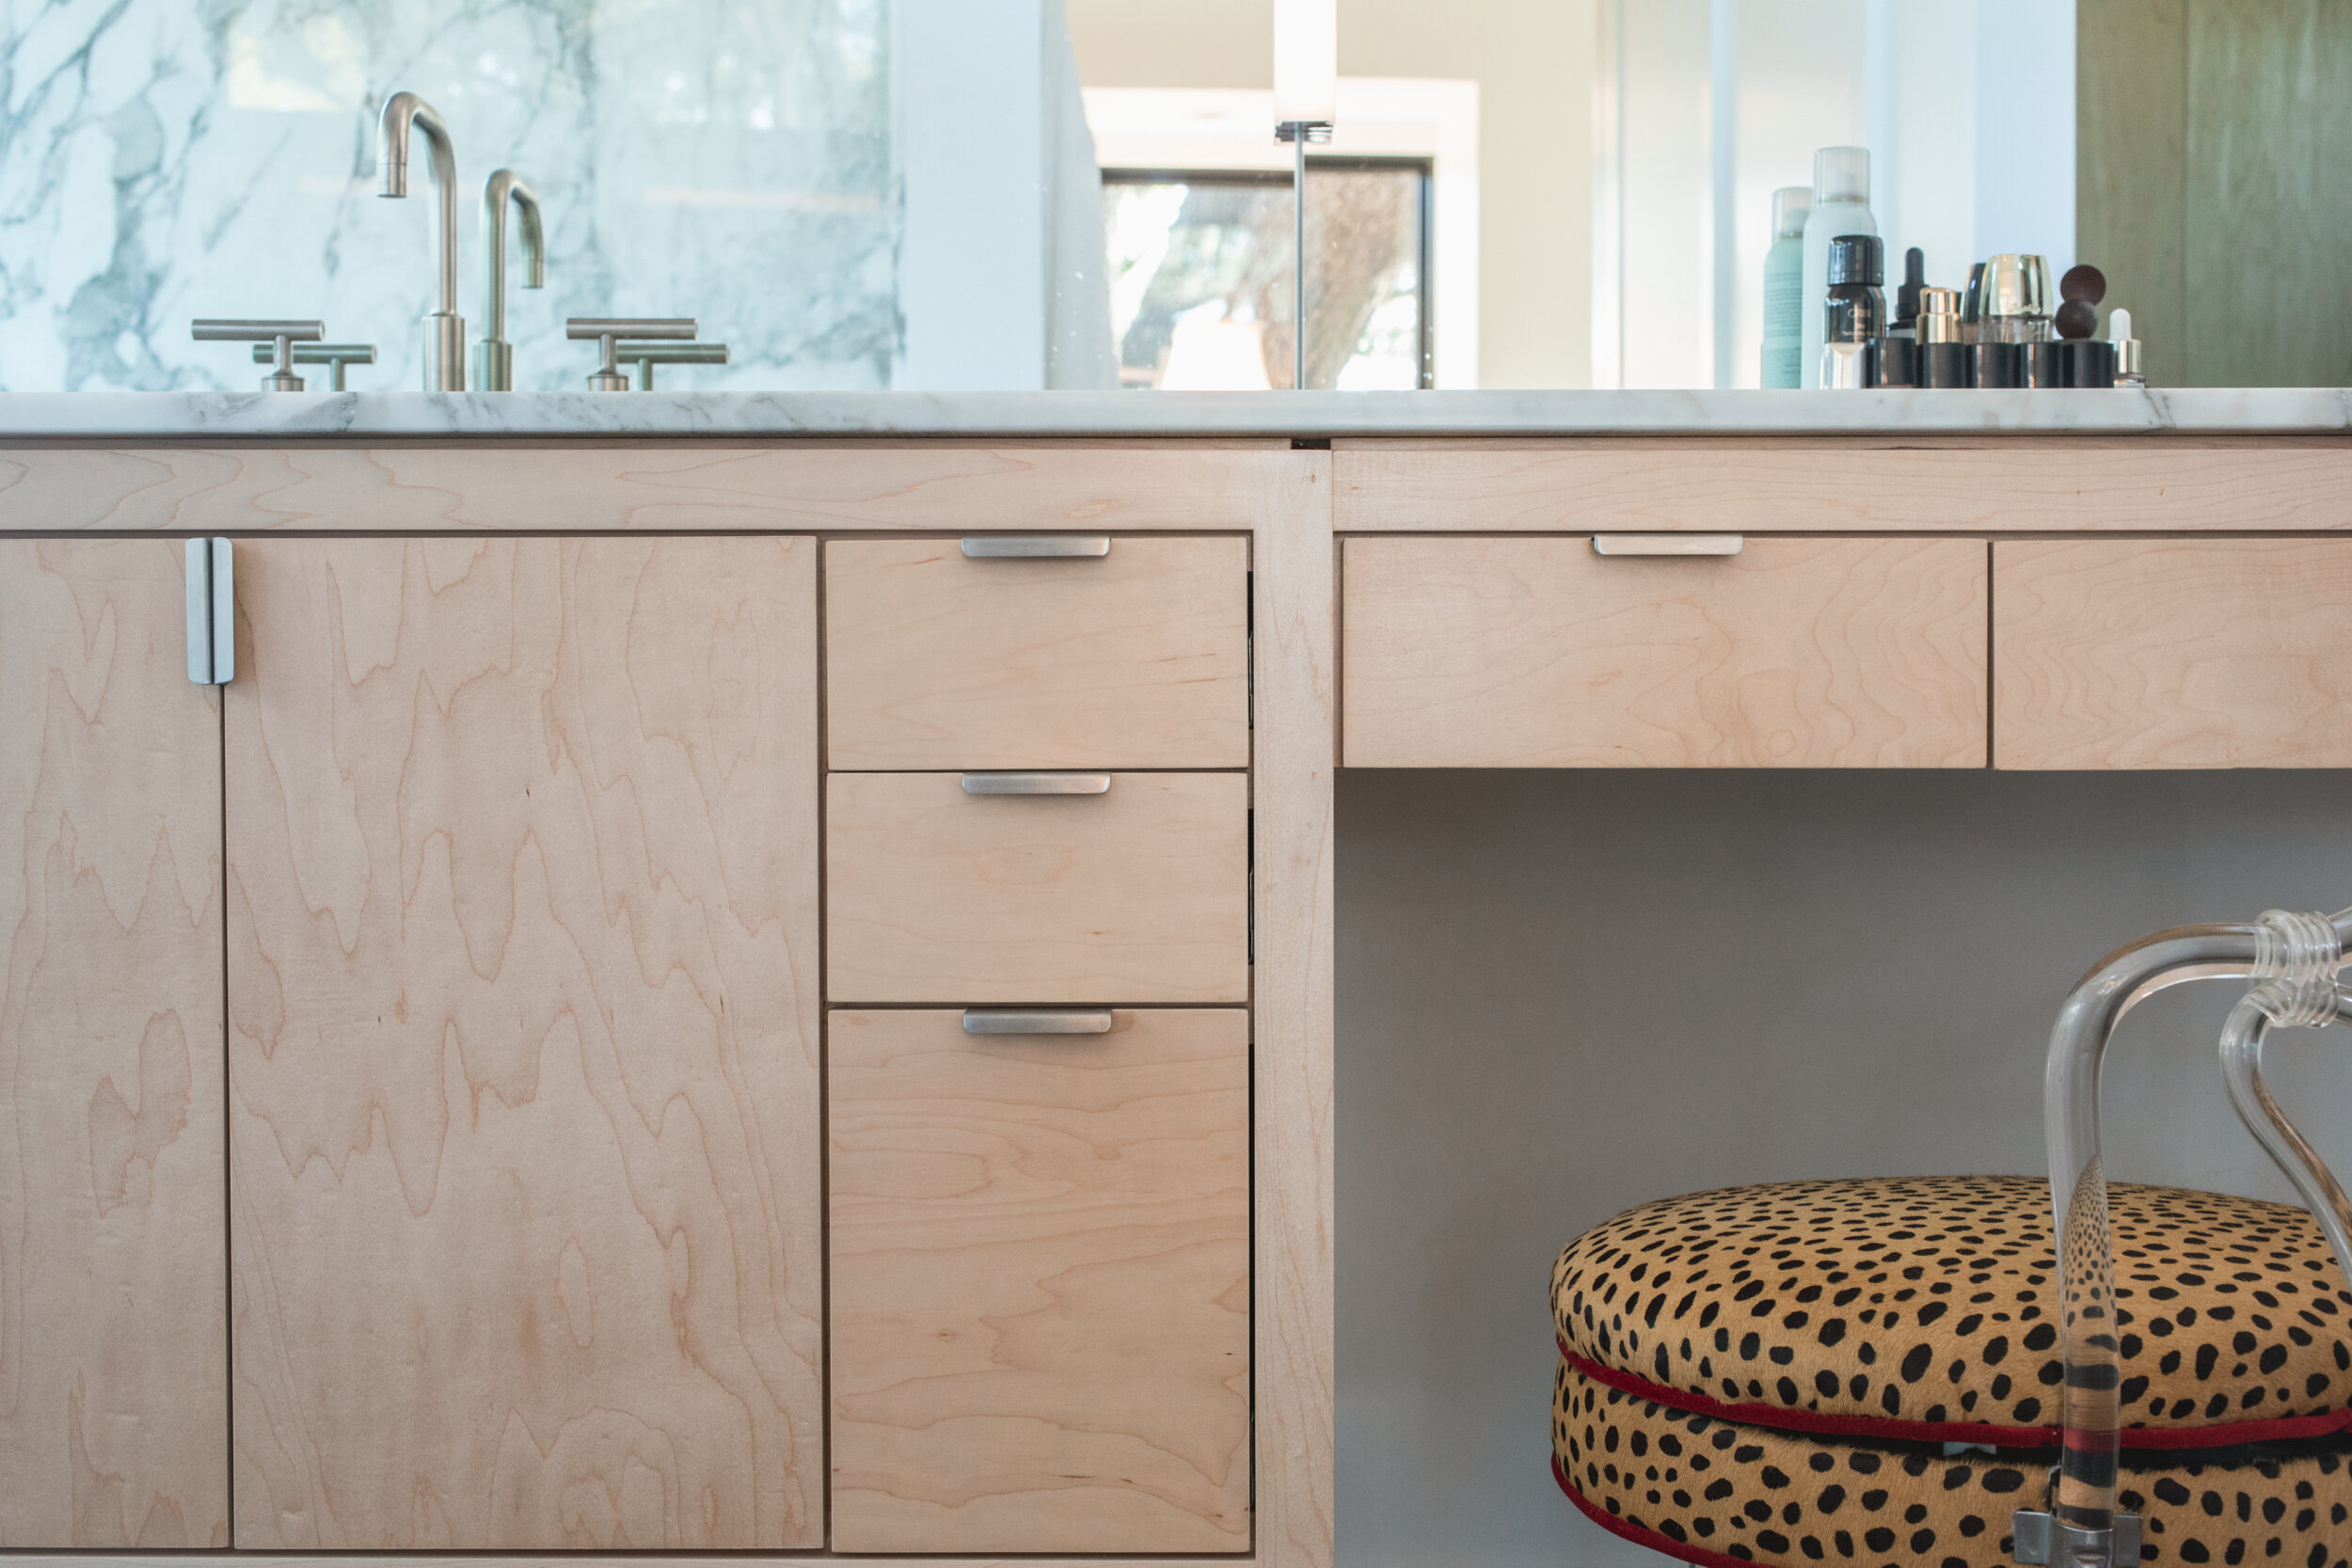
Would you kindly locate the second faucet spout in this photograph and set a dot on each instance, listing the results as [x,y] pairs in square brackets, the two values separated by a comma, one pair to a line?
[494,356]
[444,329]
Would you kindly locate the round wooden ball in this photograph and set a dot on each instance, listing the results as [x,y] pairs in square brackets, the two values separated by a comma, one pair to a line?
[2077,319]
[2085,282]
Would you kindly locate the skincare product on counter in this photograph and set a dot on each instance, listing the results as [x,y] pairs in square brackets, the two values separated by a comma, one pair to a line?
[1784,286]
[1853,312]
[1841,205]
[1907,296]
[1943,358]
[2090,363]
[1972,304]
[2127,371]
[2016,300]
[1995,364]
[2045,364]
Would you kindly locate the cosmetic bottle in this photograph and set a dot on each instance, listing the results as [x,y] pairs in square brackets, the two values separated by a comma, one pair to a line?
[1841,205]
[2127,371]
[1784,286]
[1972,304]
[1995,364]
[2090,362]
[1907,296]
[1853,312]
[2045,364]
[2016,300]
[1943,358]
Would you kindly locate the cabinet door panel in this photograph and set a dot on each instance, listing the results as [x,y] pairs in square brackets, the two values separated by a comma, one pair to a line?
[1138,658]
[1541,652]
[524,1061]
[1140,894]
[114,1354]
[1041,1295]
[2147,652]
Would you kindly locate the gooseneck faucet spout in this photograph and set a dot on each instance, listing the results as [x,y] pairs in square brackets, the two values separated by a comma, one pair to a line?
[444,329]
[494,357]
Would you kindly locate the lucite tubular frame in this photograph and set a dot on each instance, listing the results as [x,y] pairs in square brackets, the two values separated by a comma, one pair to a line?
[2082,1500]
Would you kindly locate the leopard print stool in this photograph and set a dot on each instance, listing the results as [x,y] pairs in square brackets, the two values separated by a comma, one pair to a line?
[1786,1374]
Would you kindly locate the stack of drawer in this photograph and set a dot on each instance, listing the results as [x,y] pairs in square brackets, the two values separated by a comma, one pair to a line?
[1037,973]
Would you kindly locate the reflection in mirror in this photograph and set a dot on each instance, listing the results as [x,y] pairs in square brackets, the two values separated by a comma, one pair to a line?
[1089,194]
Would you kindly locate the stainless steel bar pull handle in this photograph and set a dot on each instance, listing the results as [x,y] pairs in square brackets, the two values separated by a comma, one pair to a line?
[1031,547]
[1037,1020]
[212,599]
[1036,783]
[1668,544]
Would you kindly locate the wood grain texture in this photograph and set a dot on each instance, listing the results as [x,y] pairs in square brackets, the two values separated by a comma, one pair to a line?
[1137,660]
[2269,119]
[1041,1285]
[1541,652]
[525,1117]
[1764,485]
[571,487]
[2131,92]
[1140,895]
[608,1559]
[1292,1085]
[2154,654]
[113,1317]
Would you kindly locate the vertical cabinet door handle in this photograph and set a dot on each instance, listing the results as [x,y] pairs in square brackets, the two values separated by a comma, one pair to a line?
[211,611]
[1037,1020]
[1668,544]
[1035,547]
[1036,783]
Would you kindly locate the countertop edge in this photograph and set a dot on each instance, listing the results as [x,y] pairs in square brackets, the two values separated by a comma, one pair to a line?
[28,418]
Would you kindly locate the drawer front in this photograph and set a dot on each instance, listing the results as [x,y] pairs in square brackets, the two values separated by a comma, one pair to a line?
[1139,894]
[1542,653]
[2173,654]
[1135,659]
[1039,1284]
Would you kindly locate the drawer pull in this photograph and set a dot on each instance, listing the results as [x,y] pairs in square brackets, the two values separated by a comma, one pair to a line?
[1032,547]
[1036,1020]
[1668,544]
[1036,783]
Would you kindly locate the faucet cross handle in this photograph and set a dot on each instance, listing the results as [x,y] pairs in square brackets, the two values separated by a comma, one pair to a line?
[610,332]
[334,356]
[284,334]
[647,355]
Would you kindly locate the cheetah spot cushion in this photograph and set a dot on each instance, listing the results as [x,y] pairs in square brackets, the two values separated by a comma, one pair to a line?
[1773,1373]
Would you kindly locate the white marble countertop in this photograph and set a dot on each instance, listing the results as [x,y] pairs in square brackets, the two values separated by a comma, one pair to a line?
[296,416]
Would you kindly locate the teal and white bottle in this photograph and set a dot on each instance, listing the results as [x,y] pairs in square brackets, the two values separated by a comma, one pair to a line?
[1784,286]
[1841,205]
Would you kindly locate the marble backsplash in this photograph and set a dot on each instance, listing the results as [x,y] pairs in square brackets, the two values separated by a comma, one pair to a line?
[162,160]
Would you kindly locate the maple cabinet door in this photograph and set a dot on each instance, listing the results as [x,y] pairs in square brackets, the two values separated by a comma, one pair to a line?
[113,1365]
[1040,1295]
[523,1085]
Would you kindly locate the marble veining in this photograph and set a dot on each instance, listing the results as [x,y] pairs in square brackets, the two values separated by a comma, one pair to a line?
[2220,410]
[162,160]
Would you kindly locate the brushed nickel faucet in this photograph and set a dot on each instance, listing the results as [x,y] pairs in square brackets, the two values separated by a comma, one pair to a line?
[444,329]
[494,357]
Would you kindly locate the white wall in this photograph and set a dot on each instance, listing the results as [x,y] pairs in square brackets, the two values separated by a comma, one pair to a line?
[1002,282]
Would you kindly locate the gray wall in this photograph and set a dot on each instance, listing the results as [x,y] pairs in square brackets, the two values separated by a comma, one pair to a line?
[1562,993]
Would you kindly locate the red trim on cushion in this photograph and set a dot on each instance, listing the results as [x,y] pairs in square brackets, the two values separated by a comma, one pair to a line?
[2222,1435]
[1641,1536]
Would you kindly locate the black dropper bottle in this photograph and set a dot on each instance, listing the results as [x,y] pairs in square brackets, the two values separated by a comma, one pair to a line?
[1907,294]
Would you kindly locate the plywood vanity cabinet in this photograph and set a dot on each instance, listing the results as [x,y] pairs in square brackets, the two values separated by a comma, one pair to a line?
[532,1047]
